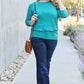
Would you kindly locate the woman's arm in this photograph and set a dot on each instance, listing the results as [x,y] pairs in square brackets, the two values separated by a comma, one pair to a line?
[61,6]
[28,16]
[62,12]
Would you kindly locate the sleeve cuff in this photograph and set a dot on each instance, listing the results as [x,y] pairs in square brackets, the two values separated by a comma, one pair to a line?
[27,23]
[64,13]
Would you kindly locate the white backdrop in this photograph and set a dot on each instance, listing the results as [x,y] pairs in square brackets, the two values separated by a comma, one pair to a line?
[13,31]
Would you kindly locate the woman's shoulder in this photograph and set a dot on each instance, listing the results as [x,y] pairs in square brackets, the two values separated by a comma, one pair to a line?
[31,4]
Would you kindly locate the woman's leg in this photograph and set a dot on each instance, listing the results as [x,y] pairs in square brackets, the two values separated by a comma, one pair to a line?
[51,45]
[40,51]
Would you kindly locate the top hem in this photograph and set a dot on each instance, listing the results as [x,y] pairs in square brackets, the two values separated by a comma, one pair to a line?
[46,34]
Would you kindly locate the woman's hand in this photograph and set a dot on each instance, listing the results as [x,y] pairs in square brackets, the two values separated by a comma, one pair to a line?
[61,5]
[33,19]
[58,1]
[55,1]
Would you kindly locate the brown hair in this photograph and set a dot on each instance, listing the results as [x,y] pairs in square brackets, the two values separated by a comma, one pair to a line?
[54,2]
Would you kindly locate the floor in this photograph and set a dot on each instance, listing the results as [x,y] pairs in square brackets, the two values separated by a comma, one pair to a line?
[63,70]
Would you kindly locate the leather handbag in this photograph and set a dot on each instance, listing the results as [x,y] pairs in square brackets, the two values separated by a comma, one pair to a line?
[28,44]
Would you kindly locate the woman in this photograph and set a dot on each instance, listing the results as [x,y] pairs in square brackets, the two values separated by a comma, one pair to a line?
[45,35]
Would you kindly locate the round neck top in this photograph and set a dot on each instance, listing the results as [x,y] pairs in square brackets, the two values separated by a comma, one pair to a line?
[46,25]
[43,2]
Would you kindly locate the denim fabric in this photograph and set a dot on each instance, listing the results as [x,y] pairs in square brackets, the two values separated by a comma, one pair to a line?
[43,50]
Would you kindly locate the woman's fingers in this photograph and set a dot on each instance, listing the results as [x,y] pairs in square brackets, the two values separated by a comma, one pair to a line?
[35,14]
[34,18]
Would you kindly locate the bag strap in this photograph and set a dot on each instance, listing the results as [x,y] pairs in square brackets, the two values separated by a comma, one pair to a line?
[34,23]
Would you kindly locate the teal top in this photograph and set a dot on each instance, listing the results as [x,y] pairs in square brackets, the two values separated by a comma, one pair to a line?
[46,25]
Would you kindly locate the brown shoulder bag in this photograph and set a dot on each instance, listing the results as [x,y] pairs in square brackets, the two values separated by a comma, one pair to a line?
[28,44]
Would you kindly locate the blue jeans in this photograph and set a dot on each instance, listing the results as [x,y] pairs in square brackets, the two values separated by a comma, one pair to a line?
[43,50]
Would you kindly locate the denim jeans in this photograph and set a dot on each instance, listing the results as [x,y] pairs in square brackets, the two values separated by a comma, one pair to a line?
[43,50]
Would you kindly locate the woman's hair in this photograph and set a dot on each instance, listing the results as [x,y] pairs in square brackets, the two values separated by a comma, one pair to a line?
[54,2]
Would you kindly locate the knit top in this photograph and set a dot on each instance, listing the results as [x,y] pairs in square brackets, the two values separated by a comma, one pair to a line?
[46,26]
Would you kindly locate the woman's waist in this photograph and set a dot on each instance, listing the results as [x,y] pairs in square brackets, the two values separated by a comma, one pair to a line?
[45,32]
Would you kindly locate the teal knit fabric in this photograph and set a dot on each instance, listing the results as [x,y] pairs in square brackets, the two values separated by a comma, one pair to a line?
[46,25]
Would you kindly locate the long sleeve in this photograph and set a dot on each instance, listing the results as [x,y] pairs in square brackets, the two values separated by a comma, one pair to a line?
[62,13]
[29,15]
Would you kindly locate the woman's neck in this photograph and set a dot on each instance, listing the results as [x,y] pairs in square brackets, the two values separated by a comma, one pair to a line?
[44,0]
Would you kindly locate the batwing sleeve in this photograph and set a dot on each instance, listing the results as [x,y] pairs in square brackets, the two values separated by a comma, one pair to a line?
[29,15]
[62,13]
